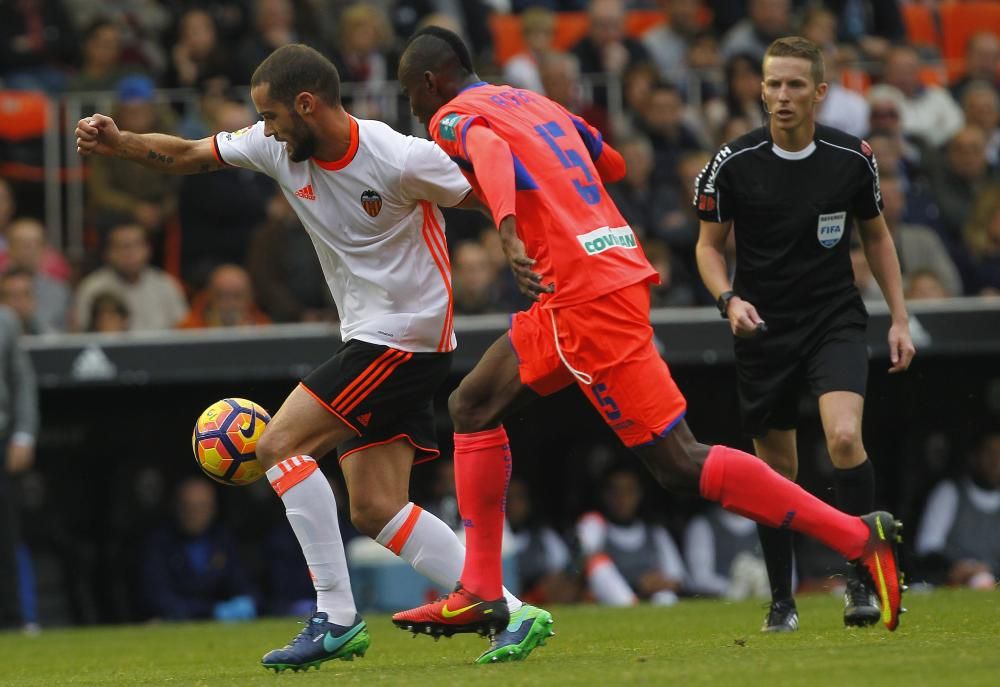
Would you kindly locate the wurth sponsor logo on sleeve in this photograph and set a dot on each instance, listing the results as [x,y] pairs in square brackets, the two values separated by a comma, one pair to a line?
[713,172]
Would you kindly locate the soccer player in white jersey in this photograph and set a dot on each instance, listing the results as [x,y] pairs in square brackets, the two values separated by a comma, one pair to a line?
[368,196]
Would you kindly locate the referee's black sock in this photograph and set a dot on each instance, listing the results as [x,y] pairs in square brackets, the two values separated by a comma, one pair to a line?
[854,488]
[854,491]
[776,546]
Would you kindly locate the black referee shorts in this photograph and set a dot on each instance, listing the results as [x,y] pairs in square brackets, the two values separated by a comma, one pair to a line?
[774,369]
[383,394]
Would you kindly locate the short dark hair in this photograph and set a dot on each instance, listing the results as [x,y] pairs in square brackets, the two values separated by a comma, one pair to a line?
[453,44]
[107,300]
[803,48]
[297,68]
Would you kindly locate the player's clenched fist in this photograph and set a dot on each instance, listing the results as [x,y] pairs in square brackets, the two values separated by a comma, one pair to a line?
[97,134]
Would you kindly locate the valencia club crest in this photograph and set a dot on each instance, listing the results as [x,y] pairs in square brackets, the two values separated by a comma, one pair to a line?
[371,201]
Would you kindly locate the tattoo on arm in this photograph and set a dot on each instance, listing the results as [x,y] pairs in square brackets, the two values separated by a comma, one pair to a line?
[160,157]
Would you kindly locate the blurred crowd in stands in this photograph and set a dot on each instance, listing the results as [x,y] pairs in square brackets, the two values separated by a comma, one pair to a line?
[188,550]
[667,82]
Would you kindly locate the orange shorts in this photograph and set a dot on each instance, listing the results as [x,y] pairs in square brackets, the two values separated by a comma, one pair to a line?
[608,342]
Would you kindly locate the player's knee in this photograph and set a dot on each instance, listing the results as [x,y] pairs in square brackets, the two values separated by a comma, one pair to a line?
[675,468]
[369,515]
[466,414]
[678,480]
[269,449]
[844,444]
[784,465]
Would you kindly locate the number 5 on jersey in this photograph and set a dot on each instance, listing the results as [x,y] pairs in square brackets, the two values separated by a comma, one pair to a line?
[590,192]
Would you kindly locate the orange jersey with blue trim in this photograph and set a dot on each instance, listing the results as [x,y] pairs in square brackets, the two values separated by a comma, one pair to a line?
[565,217]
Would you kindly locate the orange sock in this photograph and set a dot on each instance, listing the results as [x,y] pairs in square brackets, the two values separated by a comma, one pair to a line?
[746,485]
[482,471]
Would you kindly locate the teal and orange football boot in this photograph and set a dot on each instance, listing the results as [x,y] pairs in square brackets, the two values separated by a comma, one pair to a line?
[528,629]
[319,641]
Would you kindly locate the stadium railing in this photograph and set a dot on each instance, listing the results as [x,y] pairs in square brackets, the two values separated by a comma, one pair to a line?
[950,328]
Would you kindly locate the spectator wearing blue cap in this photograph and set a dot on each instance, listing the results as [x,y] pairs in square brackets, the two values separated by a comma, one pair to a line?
[115,187]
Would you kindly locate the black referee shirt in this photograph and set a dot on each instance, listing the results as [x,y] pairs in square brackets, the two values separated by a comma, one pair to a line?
[792,215]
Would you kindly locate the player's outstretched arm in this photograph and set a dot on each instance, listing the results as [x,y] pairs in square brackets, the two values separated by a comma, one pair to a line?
[99,135]
[880,251]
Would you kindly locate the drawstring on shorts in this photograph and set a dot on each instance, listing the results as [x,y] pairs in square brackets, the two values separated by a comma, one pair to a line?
[582,377]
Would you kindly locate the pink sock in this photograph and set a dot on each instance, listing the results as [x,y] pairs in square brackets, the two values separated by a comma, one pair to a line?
[748,486]
[482,470]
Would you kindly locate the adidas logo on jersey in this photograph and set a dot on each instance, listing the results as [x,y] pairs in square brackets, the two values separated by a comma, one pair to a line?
[365,419]
[306,192]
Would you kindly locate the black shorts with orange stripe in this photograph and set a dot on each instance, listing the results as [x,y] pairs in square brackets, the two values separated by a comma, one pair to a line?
[383,394]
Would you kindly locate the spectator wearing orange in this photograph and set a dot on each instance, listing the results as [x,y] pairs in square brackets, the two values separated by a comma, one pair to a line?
[227,301]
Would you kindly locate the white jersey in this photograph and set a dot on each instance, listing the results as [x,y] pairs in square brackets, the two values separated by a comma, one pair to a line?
[373,217]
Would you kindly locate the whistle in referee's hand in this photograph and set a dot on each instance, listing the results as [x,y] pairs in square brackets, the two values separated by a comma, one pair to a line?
[761,328]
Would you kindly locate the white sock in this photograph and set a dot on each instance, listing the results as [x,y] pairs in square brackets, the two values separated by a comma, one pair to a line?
[607,584]
[312,511]
[431,547]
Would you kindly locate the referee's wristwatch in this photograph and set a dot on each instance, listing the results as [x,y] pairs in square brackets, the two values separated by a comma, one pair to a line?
[723,303]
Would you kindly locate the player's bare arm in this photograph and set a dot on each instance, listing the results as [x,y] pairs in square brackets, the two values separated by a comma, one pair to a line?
[99,135]
[711,255]
[880,251]
[486,150]
[528,281]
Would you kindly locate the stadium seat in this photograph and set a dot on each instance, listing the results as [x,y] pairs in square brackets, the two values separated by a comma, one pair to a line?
[959,21]
[23,121]
[570,28]
[921,25]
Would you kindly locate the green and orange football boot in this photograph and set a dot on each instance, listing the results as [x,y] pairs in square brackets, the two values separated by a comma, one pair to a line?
[458,612]
[880,560]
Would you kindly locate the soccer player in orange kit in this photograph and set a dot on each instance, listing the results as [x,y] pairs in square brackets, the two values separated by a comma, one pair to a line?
[541,171]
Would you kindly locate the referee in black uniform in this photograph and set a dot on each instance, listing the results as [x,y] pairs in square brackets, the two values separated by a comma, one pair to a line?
[792,189]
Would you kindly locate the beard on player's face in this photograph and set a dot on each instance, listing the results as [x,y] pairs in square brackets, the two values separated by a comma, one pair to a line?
[301,140]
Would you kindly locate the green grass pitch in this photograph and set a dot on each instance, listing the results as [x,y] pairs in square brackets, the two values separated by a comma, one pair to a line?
[948,638]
